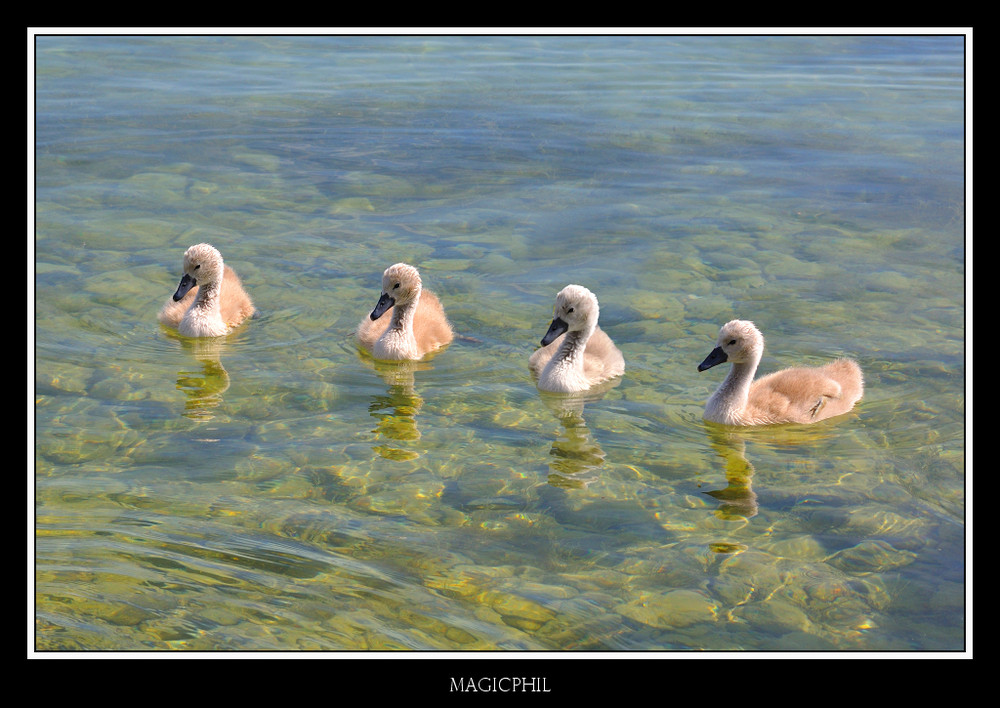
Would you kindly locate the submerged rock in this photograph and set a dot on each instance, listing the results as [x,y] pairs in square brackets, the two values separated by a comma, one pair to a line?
[870,557]
[677,608]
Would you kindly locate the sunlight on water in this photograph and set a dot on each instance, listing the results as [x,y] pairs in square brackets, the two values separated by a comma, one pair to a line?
[277,489]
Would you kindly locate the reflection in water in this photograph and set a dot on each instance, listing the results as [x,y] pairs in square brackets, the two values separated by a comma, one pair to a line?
[203,388]
[397,409]
[576,455]
[738,498]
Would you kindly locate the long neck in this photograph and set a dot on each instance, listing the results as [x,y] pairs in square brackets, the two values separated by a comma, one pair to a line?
[402,317]
[204,317]
[565,371]
[208,296]
[730,399]
[571,350]
[398,340]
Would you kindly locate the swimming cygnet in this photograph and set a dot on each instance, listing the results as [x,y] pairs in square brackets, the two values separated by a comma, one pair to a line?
[210,300]
[576,354]
[795,395]
[417,324]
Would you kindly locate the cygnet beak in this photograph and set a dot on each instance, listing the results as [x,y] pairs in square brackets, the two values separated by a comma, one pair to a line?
[384,303]
[557,327]
[187,282]
[716,357]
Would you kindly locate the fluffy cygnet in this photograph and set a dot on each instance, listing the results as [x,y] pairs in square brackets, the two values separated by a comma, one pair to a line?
[576,354]
[416,324]
[795,395]
[210,300]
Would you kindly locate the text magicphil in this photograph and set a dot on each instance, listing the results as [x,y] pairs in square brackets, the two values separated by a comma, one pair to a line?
[500,684]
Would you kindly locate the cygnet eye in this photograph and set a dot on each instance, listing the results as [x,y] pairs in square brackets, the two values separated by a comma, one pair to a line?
[197,266]
[394,287]
[569,311]
[732,342]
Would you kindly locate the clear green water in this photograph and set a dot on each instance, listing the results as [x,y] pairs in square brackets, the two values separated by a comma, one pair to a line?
[277,490]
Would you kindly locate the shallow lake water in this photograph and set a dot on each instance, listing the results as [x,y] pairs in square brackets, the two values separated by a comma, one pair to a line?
[278,490]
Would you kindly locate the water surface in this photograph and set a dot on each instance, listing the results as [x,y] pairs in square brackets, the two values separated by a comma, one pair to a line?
[278,490]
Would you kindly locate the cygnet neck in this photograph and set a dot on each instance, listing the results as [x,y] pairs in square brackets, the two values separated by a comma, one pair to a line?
[565,371]
[399,341]
[573,345]
[403,314]
[208,296]
[734,391]
[204,317]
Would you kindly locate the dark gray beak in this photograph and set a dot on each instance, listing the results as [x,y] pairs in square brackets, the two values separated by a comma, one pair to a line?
[555,329]
[384,303]
[716,357]
[187,282]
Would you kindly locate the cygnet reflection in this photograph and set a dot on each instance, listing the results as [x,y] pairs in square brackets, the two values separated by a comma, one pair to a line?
[738,499]
[396,410]
[576,456]
[203,388]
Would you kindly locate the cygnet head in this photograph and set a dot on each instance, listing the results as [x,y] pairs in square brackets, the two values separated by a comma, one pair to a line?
[400,286]
[202,265]
[739,341]
[576,309]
